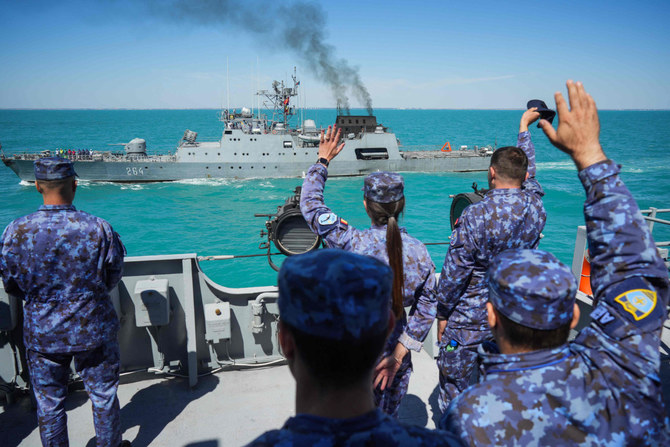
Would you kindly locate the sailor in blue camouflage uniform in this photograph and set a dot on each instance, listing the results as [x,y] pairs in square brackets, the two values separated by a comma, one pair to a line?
[414,271]
[603,388]
[63,263]
[511,215]
[335,315]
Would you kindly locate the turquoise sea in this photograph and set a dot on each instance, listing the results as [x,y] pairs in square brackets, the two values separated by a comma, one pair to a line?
[216,217]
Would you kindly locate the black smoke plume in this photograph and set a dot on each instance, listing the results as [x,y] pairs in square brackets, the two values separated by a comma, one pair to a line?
[299,26]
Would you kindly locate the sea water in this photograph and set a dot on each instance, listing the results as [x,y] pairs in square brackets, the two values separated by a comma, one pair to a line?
[216,217]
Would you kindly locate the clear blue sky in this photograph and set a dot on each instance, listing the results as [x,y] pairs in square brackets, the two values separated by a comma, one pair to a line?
[425,54]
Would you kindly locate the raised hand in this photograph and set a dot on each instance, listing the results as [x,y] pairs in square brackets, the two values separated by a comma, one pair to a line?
[329,145]
[578,128]
[529,117]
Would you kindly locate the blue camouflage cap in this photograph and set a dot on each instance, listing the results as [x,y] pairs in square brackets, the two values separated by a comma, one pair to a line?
[335,294]
[532,288]
[383,187]
[53,168]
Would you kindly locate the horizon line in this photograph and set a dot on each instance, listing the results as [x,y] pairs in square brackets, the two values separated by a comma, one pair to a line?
[307,108]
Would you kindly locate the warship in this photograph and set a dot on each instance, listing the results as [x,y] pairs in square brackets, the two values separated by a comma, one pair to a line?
[262,146]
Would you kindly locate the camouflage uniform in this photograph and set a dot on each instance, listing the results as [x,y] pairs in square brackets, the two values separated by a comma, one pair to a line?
[419,288]
[603,388]
[371,429]
[503,219]
[63,263]
[356,309]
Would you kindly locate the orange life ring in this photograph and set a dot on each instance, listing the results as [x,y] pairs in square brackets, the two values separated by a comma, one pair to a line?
[585,279]
[447,144]
[274,132]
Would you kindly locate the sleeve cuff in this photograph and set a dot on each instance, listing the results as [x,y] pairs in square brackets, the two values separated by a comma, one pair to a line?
[319,168]
[409,342]
[597,172]
[442,311]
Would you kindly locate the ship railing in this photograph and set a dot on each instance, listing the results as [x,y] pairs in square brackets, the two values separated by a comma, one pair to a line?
[650,215]
[134,158]
[582,271]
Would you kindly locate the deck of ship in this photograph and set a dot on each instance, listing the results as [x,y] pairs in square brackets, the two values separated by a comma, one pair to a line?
[420,155]
[229,408]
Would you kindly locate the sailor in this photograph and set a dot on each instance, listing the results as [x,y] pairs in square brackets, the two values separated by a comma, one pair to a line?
[511,215]
[603,388]
[63,263]
[413,270]
[335,314]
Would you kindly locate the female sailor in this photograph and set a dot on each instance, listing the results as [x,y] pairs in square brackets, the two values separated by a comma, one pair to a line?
[413,270]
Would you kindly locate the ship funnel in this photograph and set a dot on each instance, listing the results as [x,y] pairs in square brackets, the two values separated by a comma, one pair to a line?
[137,146]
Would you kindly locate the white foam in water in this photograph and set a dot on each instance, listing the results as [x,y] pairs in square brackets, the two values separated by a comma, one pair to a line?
[121,186]
[132,186]
[25,183]
[557,165]
[205,181]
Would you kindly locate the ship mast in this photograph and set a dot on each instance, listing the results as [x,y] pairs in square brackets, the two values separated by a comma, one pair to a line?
[279,100]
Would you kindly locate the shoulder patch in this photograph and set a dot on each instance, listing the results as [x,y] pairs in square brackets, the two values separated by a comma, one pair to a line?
[327,219]
[638,302]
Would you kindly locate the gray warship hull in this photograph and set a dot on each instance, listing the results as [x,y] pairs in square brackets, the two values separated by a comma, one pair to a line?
[260,156]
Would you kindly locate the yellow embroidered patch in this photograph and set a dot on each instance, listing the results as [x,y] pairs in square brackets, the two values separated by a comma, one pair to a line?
[638,302]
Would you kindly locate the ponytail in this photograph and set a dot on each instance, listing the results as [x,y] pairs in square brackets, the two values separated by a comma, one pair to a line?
[394,251]
[387,214]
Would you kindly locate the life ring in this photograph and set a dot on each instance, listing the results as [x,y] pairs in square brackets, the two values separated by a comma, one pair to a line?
[585,279]
[447,144]
[274,132]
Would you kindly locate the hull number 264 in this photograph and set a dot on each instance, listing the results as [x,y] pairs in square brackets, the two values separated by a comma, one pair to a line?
[134,171]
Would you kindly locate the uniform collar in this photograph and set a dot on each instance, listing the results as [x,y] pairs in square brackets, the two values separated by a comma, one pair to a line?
[383,227]
[57,207]
[308,423]
[503,191]
[495,362]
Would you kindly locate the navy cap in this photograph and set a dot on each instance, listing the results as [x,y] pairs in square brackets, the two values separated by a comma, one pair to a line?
[384,187]
[335,294]
[545,112]
[53,168]
[532,288]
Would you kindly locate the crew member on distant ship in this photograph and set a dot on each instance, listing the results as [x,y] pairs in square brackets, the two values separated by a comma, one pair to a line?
[64,263]
[511,215]
[604,387]
[413,270]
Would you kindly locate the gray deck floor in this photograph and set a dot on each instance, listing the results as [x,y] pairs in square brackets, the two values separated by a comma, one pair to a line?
[229,408]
